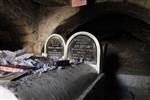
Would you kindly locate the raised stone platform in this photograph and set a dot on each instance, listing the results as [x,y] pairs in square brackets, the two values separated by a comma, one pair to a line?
[63,84]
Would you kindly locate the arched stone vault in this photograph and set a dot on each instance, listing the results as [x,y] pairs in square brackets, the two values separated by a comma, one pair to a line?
[65,26]
[89,13]
[34,20]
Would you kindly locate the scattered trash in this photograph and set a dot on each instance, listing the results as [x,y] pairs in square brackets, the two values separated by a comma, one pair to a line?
[22,62]
[11,69]
[41,70]
[14,58]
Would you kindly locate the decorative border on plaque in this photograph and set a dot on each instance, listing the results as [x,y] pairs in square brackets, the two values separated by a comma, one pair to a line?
[54,35]
[82,33]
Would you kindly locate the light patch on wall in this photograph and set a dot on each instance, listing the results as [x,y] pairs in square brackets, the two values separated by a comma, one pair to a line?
[78,3]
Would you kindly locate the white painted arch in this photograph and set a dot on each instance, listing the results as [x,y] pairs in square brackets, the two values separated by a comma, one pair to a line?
[54,35]
[97,66]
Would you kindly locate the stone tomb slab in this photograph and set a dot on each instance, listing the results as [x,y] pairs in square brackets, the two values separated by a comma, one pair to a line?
[83,47]
[54,47]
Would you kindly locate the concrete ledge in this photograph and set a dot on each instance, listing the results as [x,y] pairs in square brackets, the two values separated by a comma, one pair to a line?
[136,81]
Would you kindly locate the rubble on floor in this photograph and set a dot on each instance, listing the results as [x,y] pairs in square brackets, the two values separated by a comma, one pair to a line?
[16,64]
[22,62]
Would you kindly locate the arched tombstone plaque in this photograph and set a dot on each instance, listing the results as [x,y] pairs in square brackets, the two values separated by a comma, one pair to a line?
[54,47]
[83,47]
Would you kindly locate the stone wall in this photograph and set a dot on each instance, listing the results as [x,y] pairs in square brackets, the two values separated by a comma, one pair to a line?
[32,21]
[48,20]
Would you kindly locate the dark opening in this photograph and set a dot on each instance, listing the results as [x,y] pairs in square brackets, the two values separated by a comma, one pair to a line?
[9,36]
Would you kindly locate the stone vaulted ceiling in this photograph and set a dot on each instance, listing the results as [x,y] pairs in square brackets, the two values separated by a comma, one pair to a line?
[29,22]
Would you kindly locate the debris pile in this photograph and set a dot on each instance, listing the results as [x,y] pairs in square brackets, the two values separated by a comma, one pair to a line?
[15,58]
[20,62]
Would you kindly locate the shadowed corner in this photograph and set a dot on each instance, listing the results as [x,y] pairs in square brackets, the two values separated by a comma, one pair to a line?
[112,89]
